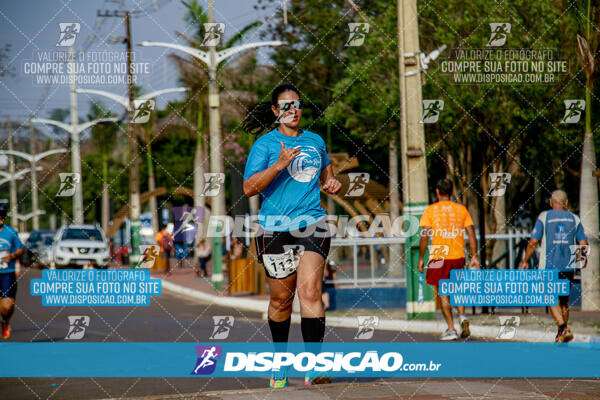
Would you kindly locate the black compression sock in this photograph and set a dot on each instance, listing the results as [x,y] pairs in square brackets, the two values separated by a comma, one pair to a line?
[313,329]
[280,330]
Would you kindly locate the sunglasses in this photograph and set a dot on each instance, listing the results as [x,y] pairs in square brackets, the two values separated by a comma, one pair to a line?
[285,105]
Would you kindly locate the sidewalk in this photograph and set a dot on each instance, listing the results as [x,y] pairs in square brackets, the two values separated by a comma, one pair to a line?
[535,326]
[184,281]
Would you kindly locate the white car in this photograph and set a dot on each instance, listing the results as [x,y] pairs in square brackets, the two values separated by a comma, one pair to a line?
[80,245]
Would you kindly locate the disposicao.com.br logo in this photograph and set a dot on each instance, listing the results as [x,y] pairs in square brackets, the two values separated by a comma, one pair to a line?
[355,363]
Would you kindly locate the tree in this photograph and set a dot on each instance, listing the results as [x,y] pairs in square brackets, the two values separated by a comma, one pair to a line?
[588,196]
[491,128]
[5,69]
[350,93]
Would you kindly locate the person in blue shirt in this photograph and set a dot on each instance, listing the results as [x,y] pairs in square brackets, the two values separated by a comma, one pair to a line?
[11,248]
[289,166]
[563,248]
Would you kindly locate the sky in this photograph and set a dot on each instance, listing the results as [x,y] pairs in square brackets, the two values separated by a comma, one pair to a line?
[32,28]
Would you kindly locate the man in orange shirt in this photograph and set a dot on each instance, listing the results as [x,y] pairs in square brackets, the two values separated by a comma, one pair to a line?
[445,222]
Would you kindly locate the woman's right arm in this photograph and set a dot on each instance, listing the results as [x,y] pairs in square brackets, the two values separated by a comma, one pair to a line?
[260,180]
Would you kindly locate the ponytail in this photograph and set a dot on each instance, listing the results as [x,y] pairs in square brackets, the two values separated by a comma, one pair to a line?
[260,117]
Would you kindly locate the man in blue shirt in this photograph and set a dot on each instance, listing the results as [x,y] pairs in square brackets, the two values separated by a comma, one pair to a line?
[561,235]
[11,248]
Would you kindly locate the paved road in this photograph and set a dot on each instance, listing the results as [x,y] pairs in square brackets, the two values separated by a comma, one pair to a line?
[171,318]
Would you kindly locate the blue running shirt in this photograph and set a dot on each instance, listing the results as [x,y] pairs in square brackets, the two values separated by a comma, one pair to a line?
[293,199]
[9,243]
[557,230]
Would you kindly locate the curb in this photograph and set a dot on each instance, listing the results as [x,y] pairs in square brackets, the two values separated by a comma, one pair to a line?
[435,327]
[226,301]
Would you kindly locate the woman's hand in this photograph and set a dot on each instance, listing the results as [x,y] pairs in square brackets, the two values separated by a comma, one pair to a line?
[286,155]
[260,180]
[329,183]
[332,186]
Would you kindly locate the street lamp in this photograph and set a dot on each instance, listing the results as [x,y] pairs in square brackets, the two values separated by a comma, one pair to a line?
[212,59]
[124,101]
[74,129]
[7,177]
[12,177]
[25,217]
[33,160]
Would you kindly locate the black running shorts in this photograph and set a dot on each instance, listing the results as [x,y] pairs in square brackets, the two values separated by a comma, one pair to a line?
[8,285]
[274,245]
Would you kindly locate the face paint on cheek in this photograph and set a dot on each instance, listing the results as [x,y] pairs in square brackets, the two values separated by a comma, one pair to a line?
[288,110]
[285,117]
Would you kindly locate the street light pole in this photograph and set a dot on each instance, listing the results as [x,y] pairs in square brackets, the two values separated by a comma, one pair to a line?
[135,207]
[6,177]
[420,302]
[216,162]
[74,130]
[125,102]
[23,218]
[33,160]
[75,149]
[212,59]
[34,185]
[11,171]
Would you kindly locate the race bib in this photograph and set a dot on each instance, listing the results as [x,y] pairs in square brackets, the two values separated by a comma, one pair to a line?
[3,264]
[280,266]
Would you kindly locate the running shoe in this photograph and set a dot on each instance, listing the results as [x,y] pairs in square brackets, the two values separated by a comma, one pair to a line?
[449,335]
[5,330]
[278,380]
[465,332]
[315,378]
[564,335]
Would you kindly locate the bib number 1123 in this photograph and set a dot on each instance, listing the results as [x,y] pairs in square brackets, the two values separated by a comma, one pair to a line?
[280,265]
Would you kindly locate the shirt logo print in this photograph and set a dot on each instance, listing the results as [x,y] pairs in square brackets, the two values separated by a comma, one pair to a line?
[306,165]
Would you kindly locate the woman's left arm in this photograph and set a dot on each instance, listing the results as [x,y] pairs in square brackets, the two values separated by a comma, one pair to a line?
[329,183]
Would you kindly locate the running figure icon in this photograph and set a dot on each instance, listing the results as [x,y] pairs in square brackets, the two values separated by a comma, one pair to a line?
[223,325]
[207,359]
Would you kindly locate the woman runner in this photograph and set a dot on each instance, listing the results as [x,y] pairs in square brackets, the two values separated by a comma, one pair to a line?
[286,166]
